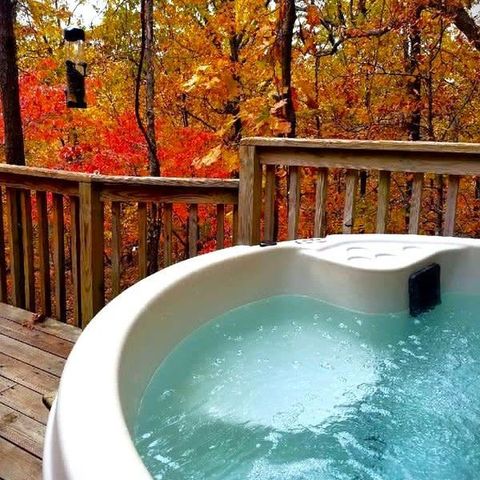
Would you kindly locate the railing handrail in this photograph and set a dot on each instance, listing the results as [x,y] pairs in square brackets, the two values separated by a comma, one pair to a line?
[380,146]
[259,158]
[65,175]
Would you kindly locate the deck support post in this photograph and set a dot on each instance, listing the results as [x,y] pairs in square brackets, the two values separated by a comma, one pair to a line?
[250,196]
[91,251]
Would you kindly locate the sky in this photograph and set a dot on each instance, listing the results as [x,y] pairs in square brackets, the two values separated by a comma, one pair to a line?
[87,13]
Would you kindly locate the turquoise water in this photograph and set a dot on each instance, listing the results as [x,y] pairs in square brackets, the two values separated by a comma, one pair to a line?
[290,388]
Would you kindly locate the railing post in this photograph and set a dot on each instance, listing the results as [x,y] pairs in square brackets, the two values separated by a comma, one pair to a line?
[91,251]
[249,197]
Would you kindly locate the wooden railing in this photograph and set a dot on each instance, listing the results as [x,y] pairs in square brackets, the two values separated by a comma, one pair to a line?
[59,233]
[262,157]
[66,243]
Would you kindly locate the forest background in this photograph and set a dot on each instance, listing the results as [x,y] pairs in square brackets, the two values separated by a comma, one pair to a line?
[174,85]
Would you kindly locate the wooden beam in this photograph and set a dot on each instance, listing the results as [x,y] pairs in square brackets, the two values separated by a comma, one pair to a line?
[167,233]
[383,201]
[192,230]
[116,248]
[269,201]
[43,254]
[294,189]
[321,189]
[351,183]
[58,236]
[451,210]
[220,226]
[15,247]
[3,260]
[416,204]
[91,251]
[142,239]
[249,197]
[27,243]
[75,259]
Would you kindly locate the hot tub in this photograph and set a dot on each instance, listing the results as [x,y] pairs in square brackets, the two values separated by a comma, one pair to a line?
[89,433]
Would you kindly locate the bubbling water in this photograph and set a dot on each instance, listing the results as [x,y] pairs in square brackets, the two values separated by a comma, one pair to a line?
[291,388]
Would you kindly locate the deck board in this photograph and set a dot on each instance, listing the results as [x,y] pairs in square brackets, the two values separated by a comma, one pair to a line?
[32,356]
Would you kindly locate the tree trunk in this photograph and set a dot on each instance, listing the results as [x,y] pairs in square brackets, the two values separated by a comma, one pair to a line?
[9,90]
[283,43]
[414,82]
[412,50]
[12,118]
[233,105]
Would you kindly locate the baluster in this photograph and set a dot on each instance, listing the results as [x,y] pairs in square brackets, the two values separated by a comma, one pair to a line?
[192,230]
[58,231]
[220,225]
[293,201]
[351,184]
[15,244]
[321,189]
[452,194]
[167,221]
[91,251]
[75,258]
[3,265]
[383,200]
[116,248]
[269,214]
[235,224]
[142,239]
[43,257]
[416,204]
[27,243]
[250,197]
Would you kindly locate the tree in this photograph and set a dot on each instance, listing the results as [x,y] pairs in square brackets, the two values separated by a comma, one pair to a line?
[147,62]
[9,89]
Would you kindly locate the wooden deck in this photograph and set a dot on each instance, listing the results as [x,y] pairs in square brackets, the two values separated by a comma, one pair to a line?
[32,357]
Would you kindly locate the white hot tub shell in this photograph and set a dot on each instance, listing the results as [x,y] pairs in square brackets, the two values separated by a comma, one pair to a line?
[89,429]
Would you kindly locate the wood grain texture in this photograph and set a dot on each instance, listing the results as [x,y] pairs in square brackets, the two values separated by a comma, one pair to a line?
[48,325]
[58,245]
[21,430]
[21,465]
[269,203]
[383,201]
[32,356]
[249,197]
[168,194]
[294,189]
[35,338]
[351,184]
[27,375]
[116,248]
[75,259]
[416,204]
[321,190]
[441,163]
[91,252]
[220,234]
[192,230]
[142,239]
[24,400]
[451,205]
[15,247]
[3,259]
[43,254]
[380,146]
[167,233]
[235,222]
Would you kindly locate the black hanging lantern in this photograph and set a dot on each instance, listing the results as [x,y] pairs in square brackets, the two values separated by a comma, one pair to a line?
[76,67]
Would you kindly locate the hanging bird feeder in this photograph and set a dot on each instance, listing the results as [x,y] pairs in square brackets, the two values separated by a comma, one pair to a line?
[76,67]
